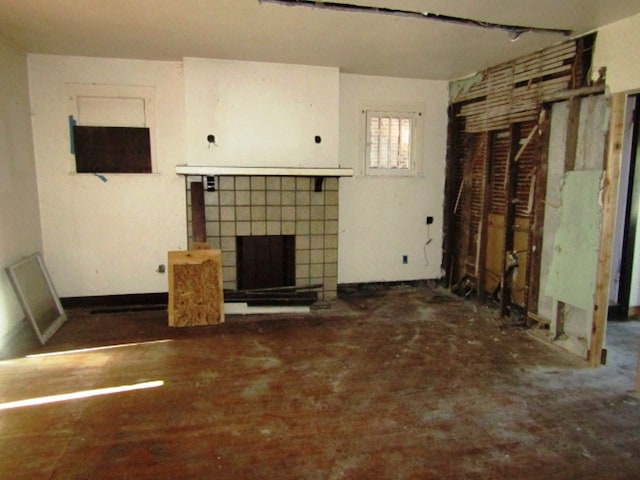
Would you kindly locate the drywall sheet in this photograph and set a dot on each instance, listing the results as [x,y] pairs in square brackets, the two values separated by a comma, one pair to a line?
[574,265]
[195,288]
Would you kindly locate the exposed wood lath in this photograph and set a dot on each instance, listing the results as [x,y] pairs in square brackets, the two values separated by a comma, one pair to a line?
[512,92]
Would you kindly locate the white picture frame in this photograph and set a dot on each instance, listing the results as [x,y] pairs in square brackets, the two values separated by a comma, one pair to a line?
[37,296]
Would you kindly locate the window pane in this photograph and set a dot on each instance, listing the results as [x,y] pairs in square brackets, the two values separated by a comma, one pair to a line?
[394,142]
[383,157]
[405,144]
[374,132]
[389,142]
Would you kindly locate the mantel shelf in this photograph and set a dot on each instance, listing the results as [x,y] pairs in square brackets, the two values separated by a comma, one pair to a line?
[211,170]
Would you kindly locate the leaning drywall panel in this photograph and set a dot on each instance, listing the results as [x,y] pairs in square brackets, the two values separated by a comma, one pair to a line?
[574,266]
[553,197]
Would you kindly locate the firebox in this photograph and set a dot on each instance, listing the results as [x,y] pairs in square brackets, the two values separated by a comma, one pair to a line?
[265,261]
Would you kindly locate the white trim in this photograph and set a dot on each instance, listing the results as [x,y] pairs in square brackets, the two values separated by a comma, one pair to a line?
[267,171]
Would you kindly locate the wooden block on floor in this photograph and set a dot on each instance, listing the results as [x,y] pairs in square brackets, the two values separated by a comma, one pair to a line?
[195,288]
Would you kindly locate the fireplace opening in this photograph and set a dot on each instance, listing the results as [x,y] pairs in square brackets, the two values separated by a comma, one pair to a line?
[265,261]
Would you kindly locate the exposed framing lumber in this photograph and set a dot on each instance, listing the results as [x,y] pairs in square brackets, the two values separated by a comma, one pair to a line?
[510,216]
[484,222]
[479,141]
[564,95]
[452,194]
[612,162]
[536,228]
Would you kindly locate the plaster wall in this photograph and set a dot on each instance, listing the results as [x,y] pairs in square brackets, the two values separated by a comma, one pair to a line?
[261,114]
[618,49]
[107,237]
[383,218]
[19,214]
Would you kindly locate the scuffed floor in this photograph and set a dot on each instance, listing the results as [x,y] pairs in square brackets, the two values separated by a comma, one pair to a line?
[399,383]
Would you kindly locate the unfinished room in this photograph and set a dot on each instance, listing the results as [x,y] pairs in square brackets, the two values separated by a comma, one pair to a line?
[359,239]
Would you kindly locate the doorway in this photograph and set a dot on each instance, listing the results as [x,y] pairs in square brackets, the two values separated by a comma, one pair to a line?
[625,287]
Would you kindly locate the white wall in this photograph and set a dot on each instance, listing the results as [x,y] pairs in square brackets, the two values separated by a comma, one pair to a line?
[383,218]
[618,49]
[19,216]
[105,238]
[262,114]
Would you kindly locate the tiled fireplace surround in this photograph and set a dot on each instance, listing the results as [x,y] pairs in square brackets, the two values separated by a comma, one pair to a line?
[275,205]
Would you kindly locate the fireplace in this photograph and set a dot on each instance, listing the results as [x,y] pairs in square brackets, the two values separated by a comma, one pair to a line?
[301,208]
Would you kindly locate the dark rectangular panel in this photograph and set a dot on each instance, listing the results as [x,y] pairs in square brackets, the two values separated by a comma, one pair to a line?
[198,221]
[112,149]
[265,261]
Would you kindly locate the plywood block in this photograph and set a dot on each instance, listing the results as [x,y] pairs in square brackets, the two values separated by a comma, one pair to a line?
[195,288]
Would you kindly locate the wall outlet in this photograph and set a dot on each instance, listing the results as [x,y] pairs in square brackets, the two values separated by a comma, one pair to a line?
[429,220]
[405,259]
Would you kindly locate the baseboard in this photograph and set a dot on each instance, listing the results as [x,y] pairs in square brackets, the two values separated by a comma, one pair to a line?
[102,301]
[161,298]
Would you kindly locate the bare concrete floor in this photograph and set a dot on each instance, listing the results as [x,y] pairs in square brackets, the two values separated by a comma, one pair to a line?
[393,385]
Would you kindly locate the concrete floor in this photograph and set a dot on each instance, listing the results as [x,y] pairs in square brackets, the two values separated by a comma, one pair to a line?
[396,384]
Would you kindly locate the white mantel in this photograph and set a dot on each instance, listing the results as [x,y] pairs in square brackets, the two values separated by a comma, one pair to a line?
[212,170]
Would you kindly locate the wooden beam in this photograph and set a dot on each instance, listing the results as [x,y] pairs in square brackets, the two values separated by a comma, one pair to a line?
[564,95]
[609,201]
[452,191]
[198,222]
[536,227]
[484,221]
[467,182]
[571,144]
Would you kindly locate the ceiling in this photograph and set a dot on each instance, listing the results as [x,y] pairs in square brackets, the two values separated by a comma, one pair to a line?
[356,42]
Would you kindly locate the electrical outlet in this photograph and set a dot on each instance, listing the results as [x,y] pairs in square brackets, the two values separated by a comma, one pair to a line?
[429,220]
[405,259]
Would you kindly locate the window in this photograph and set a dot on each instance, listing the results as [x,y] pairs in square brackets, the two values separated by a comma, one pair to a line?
[391,143]
[111,128]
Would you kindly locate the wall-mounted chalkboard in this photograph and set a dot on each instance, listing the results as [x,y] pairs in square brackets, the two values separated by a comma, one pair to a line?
[37,296]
